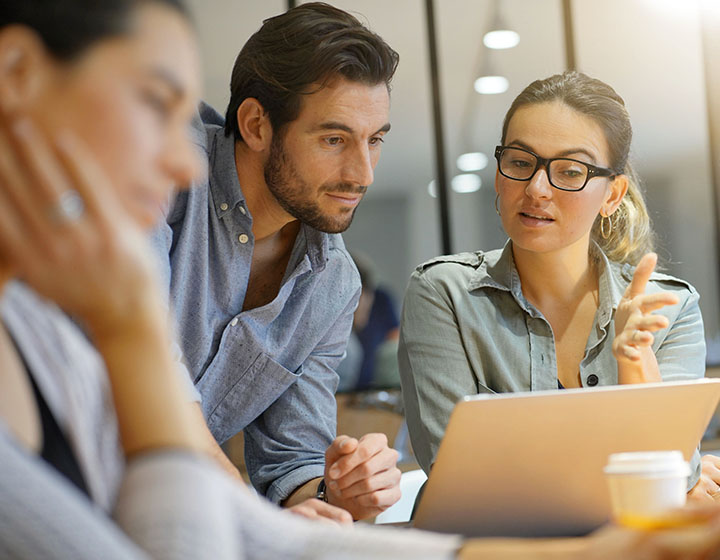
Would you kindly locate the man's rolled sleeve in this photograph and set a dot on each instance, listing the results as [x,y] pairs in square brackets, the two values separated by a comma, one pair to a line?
[285,446]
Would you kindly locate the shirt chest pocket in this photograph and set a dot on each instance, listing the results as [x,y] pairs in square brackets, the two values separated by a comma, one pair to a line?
[260,385]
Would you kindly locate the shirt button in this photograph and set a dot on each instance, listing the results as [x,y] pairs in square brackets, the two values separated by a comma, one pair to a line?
[592,380]
[223,206]
[234,322]
[242,210]
[242,238]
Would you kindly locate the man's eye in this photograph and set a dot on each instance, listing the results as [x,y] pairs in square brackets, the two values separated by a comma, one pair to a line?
[376,140]
[333,140]
[521,163]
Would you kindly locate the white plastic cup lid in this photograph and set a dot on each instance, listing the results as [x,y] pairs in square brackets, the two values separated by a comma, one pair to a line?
[648,463]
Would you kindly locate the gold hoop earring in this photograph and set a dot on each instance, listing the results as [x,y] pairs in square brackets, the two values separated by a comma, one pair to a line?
[606,234]
[497,195]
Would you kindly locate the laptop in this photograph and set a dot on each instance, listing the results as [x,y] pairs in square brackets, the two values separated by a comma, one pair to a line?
[531,464]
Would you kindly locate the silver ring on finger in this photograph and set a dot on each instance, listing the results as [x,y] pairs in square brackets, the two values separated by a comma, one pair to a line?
[70,208]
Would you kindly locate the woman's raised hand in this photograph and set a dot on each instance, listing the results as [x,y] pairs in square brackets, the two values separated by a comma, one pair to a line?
[63,229]
[635,323]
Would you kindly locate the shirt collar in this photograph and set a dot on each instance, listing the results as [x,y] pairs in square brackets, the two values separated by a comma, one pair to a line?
[315,244]
[610,287]
[226,189]
[224,184]
[498,271]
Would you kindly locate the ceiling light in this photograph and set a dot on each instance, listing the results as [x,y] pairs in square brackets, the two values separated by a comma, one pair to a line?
[491,84]
[500,35]
[501,39]
[472,161]
[466,183]
[432,188]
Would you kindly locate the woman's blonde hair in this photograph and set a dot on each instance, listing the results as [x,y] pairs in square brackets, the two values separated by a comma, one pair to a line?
[631,235]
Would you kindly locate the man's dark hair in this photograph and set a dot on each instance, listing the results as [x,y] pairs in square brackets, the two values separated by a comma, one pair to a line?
[310,44]
[69,27]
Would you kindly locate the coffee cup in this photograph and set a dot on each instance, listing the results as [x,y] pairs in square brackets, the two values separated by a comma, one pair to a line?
[646,487]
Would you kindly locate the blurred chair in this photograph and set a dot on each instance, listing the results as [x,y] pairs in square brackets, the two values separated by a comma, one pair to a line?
[410,484]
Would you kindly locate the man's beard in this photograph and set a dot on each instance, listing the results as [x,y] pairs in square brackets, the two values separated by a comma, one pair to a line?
[293,193]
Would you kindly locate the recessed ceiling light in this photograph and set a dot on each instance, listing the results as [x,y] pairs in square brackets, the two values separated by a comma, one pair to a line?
[472,161]
[491,84]
[466,183]
[501,39]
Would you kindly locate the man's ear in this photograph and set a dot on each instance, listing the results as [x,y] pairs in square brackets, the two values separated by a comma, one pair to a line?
[24,64]
[254,124]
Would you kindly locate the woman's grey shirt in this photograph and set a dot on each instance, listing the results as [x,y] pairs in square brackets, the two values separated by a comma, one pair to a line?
[467,329]
[166,504]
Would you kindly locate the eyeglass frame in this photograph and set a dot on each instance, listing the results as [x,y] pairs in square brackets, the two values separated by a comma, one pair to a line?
[593,170]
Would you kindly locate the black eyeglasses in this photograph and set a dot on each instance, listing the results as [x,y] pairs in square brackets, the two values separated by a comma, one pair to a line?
[563,173]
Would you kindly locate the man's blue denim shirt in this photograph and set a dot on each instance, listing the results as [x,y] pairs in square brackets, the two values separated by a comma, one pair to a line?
[271,370]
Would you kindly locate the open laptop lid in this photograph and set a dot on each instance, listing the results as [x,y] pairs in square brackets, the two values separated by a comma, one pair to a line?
[531,464]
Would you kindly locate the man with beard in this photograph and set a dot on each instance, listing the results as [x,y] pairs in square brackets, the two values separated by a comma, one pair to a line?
[260,282]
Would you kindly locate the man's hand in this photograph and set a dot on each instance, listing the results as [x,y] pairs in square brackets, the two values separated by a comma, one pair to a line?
[318,510]
[707,488]
[361,475]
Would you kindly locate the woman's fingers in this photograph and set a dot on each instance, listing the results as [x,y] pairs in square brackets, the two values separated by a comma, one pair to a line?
[628,344]
[644,269]
[648,322]
[88,179]
[637,335]
[17,188]
[58,208]
[40,166]
[653,302]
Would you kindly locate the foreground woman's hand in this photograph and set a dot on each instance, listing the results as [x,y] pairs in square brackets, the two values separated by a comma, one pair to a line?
[318,510]
[694,542]
[64,231]
[635,323]
[697,537]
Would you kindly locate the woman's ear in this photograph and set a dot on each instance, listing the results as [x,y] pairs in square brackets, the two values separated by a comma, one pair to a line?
[616,192]
[254,124]
[23,60]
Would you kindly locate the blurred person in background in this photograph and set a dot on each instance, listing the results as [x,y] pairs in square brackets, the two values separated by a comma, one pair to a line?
[371,360]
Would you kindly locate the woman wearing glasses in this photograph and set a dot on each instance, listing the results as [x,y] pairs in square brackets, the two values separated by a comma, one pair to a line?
[572,300]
